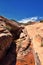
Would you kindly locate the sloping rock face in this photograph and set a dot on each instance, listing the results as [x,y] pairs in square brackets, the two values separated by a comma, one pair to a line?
[35,32]
[10,24]
[7,46]
[25,54]
[5,39]
[16,47]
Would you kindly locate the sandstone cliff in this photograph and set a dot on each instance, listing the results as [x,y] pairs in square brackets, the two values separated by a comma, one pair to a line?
[20,45]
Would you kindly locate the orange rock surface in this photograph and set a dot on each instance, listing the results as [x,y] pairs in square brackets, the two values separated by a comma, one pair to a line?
[27,60]
[24,45]
[35,32]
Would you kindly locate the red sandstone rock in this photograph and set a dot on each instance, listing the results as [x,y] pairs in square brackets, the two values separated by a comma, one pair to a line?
[27,59]
[5,40]
[16,51]
[25,52]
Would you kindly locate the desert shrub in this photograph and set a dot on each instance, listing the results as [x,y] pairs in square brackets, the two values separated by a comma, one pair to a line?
[42,42]
[41,21]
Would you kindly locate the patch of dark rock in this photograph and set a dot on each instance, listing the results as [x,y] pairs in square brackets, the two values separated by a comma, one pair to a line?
[10,56]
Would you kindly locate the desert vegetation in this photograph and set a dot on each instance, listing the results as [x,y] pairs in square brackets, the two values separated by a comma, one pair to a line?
[42,42]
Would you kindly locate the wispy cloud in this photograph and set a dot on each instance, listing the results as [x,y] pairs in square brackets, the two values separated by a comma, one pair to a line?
[32,19]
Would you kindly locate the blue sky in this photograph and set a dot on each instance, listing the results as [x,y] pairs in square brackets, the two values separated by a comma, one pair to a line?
[21,9]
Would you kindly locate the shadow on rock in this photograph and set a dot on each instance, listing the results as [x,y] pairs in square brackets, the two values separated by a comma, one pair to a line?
[10,56]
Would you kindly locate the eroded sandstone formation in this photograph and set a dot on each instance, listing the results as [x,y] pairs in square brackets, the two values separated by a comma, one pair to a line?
[16,47]
[35,32]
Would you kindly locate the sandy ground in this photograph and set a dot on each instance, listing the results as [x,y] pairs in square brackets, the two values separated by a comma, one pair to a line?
[35,32]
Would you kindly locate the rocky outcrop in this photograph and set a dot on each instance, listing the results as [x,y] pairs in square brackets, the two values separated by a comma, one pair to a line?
[5,39]
[36,34]
[9,31]
[24,50]
[16,47]
[10,24]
